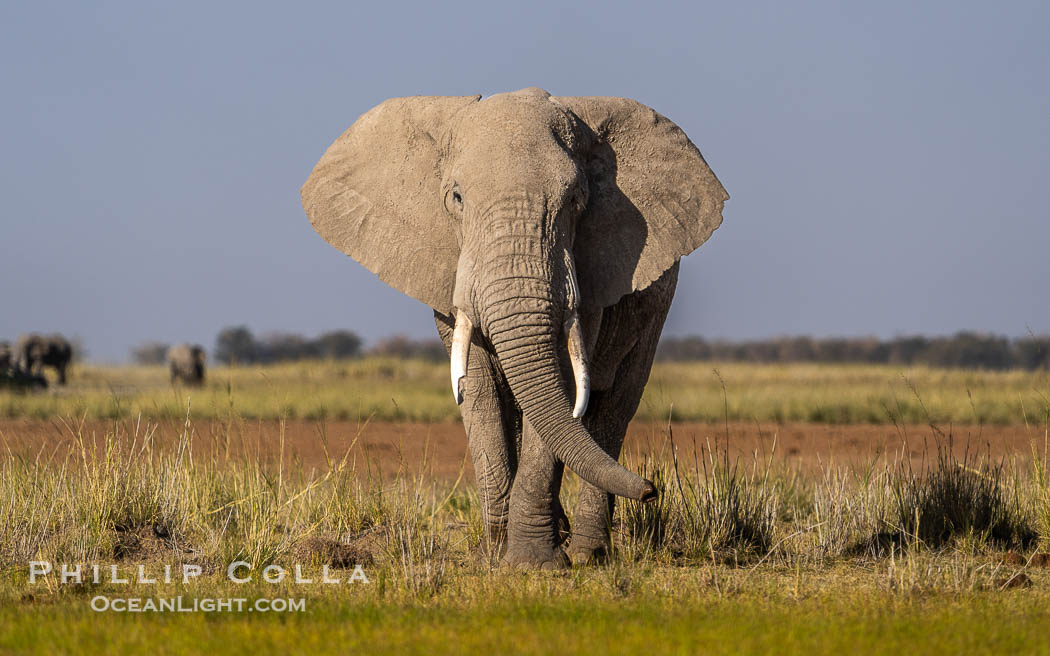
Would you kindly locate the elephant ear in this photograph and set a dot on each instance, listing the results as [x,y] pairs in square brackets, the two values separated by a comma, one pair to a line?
[653,198]
[376,196]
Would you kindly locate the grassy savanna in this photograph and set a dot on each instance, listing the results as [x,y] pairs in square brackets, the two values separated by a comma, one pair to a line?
[414,390]
[735,556]
[739,553]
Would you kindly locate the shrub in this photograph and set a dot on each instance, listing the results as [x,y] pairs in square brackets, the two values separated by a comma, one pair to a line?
[149,353]
[236,344]
[715,510]
[959,498]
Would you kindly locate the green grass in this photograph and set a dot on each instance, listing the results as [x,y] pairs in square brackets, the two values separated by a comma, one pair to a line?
[697,619]
[737,557]
[398,390]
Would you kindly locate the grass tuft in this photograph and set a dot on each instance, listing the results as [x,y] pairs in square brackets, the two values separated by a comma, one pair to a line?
[959,498]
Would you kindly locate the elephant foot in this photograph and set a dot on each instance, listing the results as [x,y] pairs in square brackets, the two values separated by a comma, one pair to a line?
[533,555]
[587,552]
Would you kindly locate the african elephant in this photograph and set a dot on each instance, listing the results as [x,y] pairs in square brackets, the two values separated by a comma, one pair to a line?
[32,352]
[13,378]
[187,364]
[545,232]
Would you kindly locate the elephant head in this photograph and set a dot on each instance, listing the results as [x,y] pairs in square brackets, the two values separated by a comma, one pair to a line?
[516,214]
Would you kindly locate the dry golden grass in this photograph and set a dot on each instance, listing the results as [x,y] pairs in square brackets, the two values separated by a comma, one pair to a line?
[389,389]
[739,554]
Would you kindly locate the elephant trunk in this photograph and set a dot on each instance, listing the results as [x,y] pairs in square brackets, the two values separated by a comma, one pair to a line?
[523,324]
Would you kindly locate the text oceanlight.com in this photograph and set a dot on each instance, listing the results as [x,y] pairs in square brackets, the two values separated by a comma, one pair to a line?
[178,604]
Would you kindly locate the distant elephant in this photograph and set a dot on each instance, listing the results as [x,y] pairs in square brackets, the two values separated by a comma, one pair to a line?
[12,378]
[187,364]
[32,352]
[546,234]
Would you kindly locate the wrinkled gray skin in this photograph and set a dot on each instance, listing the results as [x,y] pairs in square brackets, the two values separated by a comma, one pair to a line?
[33,352]
[187,364]
[518,218]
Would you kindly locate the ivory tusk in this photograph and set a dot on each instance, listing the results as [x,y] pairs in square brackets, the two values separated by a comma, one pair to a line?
[460,349]
[578,358]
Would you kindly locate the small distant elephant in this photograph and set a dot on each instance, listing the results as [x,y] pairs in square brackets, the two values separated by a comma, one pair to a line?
[187,364]
[545,232]
[5,357]
[32,352]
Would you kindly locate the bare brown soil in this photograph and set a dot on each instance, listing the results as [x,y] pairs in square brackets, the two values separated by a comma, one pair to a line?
[440,450]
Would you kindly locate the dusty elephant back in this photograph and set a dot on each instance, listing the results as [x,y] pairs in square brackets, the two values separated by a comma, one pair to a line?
[33,348]
[178,354]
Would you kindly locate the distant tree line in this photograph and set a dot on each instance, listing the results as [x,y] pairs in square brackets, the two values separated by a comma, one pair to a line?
[400,346]
[150,352]
[237,344]
[965,349]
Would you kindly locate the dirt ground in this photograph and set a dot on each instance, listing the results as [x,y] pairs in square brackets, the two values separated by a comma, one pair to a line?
[440,450]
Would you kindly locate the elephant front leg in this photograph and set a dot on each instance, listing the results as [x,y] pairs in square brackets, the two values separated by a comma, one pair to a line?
[607,420]
[625,350]
[610,414]
[493,426]
[493,457]
[537,520]
[592,519]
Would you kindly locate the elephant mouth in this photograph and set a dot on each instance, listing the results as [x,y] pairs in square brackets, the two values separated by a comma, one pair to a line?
[577,348]
[572,329]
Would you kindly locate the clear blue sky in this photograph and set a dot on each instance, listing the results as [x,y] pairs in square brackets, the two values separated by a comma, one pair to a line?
[889,163]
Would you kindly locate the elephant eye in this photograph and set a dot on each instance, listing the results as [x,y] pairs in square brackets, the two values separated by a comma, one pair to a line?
[454,200]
